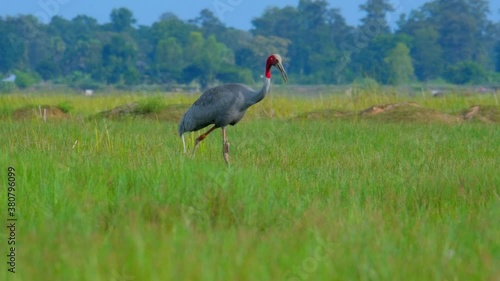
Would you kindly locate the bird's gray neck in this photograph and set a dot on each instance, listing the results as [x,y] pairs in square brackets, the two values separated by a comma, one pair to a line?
[262,93]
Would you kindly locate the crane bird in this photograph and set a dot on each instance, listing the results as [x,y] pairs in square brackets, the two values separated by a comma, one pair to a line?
[225,105]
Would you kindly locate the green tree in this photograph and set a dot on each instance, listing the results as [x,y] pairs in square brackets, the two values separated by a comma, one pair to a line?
[231,73]
[255,51]
[169,59]
[25,37]
[48,70]
[214,54]
[13,49]
[271,24]
[122,19]
[310,31]
[44,47]
[26,79]
[84,27]
[342,36]
[370,61]
[452,39]
[207,57]
[497,57]
[195,45]
[148,39]
[62,28]
[171,26]
[312,37]
[84,55]
[273,21]
[374,22]
[400,66]
[426,50]
[209,23]
[427,54]
[467,72]
[461,26]
[447,32]
[119,61]
[373,41]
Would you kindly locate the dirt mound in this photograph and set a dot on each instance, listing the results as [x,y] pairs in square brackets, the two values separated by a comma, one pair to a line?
[40,112]
[324,114]
[120,111]
[172,112]
[395,112]
[377,109]
[485,114]
[408,112]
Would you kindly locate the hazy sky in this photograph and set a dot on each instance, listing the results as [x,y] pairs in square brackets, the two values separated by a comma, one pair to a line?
[235,13]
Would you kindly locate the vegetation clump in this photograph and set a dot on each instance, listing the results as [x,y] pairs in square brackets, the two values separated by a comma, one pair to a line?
[408,112]
[43,112]
[485,114]
[152,108]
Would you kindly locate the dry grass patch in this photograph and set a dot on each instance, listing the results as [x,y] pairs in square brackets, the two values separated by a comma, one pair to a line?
[34,112]
[409,112]
[171,112]
[485,114]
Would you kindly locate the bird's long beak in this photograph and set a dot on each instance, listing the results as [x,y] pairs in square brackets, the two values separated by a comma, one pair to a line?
[282,70]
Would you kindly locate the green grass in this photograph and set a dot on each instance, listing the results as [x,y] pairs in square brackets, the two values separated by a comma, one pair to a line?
[302,199]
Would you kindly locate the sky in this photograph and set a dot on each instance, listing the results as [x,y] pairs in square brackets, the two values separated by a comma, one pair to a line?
[234,13]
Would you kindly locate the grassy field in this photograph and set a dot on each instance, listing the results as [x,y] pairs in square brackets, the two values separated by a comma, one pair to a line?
[304,198]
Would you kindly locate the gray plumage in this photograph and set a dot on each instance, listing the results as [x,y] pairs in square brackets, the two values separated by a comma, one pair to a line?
[222,106]
[225,105]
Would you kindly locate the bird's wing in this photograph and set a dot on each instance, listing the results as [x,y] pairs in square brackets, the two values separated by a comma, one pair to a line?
[220,105]
[221,95]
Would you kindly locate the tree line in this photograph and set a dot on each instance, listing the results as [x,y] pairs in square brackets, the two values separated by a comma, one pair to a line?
[450,40]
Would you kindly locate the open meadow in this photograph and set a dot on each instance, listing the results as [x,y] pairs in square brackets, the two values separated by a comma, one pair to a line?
[319,188]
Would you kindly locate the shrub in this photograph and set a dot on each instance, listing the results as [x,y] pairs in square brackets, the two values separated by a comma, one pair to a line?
[231,74]
[79,80]
[6,87]
[150,105]
[467,72]
[65,106]
[367,84]
[26,79]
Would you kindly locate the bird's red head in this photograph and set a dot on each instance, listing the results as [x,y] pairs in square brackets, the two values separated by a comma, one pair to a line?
[272,60]
[275,60]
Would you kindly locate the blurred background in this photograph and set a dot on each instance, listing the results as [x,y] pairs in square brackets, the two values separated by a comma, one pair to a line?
[192,45]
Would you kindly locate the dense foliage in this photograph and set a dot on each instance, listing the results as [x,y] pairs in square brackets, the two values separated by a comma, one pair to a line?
[444,39]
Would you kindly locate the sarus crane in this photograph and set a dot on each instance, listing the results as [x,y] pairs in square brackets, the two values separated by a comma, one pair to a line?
[225,105]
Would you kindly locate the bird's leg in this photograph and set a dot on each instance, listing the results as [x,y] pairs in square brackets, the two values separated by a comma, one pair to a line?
[183,143]
[202,137]
[225,146]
